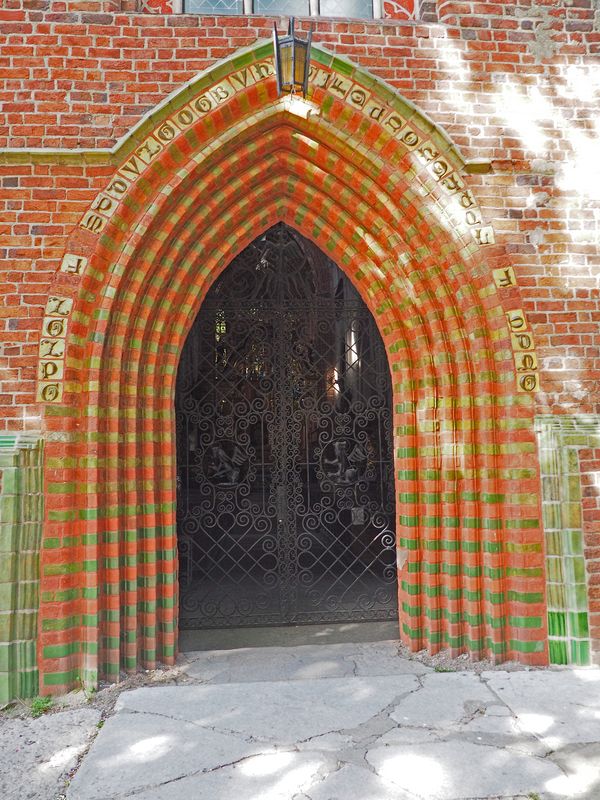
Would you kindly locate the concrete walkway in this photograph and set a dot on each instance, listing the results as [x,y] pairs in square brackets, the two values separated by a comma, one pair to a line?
[345,722]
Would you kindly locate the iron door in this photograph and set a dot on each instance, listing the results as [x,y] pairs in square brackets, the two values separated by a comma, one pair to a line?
[285,475]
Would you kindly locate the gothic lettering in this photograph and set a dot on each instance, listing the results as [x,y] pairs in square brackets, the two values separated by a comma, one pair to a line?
[104,205]
[243,78]
[185,117]
[167,132]
[52,348]
[49,370]
[93,222]
[410,139]
[54,327]
[529,383]
[59,306]
[221,92]
[526,362]
[516,320]
[466,199]
[339,86]
[203,104]
[117,187]
[427,153]
[375,111]
[473,218]
[50,392]
[484,235]
[263,69]
[395,123]
[439,168]
[357,97]
[319,77]
[505,277]
[132,168]
[73,264]
[452,183]
[522,341]
[149,150]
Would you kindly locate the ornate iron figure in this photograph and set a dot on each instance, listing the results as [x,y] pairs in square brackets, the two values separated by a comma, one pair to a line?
[285,473]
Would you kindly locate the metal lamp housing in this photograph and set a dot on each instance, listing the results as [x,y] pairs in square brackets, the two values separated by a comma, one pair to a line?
[292,61]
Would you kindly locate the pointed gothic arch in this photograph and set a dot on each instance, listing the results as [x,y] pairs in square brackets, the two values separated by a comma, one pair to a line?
[359,171]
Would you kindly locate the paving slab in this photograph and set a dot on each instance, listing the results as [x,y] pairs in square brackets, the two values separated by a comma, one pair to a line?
[273,711]
[354,783]
[246,665]
[445,701]
[36,755]
[455,770]
[347,722]
[269,776]
[558,706]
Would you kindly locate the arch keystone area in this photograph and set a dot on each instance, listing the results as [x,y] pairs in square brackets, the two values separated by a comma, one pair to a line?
[380,189]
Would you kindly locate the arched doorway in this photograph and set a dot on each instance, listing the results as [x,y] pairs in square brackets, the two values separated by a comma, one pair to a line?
[216,166]
[285,502]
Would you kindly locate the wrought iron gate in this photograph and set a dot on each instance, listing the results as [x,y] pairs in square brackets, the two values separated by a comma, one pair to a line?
[285,471]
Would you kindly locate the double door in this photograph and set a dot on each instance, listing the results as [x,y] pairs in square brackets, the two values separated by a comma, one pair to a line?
[285,473]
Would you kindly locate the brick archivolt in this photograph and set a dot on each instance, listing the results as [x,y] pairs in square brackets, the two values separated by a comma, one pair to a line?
[378,188]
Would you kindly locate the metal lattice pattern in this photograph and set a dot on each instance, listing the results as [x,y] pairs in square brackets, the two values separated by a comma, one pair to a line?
[213,7]
[361,9]
[300,8]
[285,471]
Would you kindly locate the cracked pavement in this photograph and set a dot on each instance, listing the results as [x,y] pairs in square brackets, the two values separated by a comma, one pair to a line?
[345,722]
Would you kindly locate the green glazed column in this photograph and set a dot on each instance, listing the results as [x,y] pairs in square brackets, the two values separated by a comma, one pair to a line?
[21,519]
[560,438]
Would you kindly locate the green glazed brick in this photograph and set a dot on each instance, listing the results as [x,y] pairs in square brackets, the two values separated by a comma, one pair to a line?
[9,537]
[551,516]
[574,569]
[61,678]
[554,543]
[557,623]
[570,515]
[557,596]
[525,622]
[527,647]
[6,688]
[28,684]
[576,597]
[62,650]
[573,542]
[558,652]
[10,509]
[578,624]
[580,653]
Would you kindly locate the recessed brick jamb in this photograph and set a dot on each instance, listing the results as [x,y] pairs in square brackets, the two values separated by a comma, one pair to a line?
[469,541]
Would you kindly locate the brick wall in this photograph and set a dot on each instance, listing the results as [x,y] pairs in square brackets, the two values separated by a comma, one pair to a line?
[82,80]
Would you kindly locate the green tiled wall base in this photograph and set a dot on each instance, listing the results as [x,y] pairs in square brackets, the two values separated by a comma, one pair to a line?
[21,516]
[560,438]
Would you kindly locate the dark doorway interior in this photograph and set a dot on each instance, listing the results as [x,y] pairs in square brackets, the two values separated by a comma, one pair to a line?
[285,470]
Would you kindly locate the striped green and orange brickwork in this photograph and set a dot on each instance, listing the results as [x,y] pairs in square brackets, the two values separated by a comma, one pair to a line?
[469,537]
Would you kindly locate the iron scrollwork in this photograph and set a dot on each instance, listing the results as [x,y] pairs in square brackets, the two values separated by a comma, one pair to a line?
[285,476]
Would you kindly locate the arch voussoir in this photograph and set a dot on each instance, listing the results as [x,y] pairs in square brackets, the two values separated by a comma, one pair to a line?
[381,195]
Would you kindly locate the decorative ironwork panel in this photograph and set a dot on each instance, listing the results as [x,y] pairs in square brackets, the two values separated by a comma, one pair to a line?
[362,9]
[285,471]
[298,8]
[213,7]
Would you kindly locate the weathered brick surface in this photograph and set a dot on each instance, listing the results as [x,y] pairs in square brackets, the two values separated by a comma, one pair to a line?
[82,80]
[511,84]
